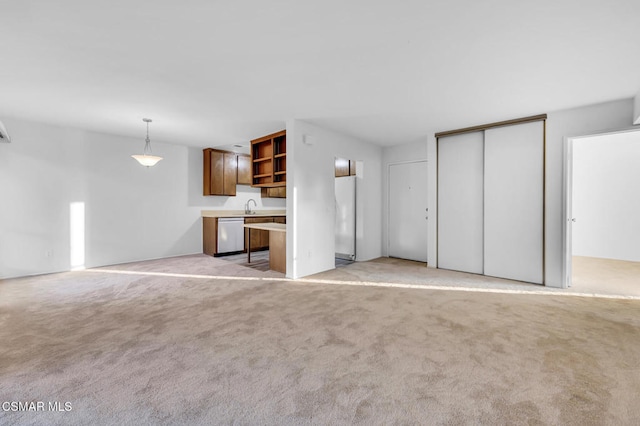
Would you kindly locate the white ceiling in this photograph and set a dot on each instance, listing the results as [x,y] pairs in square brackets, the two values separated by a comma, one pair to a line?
[223,72]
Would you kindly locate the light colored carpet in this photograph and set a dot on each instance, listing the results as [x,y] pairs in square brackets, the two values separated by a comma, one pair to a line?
[604,279]
[197,340]
[259,260]
[606,275]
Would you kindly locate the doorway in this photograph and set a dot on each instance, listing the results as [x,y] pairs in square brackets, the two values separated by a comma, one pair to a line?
[601,207]
[408,211]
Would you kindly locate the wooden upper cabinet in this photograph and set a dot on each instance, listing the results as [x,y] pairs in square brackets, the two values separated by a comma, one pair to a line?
[206,171]
[244,169]
[230,173]
[345,167]
[220,172]
[278,192]
[342,167]
[269,160]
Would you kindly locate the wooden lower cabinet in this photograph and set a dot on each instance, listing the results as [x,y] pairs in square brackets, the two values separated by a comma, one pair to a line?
[210,235]
[278,251]
[259,238]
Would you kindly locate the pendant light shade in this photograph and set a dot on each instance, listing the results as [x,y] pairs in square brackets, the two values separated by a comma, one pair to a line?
[4,135]
[147,159]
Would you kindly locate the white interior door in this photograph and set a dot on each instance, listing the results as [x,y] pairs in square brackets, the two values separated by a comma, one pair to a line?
[408,215]
[513,202]
[460,202]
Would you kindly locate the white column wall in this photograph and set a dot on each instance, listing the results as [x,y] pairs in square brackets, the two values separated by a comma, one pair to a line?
[311,197]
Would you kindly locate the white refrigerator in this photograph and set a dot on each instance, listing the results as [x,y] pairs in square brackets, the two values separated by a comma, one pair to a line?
[346,217]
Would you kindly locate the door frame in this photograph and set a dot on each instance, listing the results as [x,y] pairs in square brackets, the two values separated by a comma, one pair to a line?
[397,163]
[567,197]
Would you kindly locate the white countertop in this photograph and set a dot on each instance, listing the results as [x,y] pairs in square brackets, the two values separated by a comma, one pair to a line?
[269,226]
[241,213]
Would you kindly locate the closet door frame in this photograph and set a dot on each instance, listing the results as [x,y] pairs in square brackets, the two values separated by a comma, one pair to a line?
[483,127]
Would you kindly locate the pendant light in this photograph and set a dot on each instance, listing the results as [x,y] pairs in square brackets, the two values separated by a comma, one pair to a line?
[4,135]
[147,159]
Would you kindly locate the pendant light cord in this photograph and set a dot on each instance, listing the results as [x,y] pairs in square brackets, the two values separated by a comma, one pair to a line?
[147,145]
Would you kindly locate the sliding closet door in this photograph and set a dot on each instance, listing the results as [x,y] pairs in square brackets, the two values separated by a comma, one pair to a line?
[513,202]
[460,198]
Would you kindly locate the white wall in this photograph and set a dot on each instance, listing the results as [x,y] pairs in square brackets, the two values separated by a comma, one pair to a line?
[560,124]
[131,212]
[606,204]
[311,197]
[392,155]
[579,121]
[566,123]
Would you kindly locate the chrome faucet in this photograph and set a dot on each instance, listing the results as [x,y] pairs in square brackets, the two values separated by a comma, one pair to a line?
[247,208]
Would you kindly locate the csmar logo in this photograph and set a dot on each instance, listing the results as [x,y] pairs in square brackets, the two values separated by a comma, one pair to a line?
[60,406]
[36,406]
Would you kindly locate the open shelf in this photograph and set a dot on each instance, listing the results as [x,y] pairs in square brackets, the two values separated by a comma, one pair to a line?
[268,160]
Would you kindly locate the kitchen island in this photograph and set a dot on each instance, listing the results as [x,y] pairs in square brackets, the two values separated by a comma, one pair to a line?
[277,244]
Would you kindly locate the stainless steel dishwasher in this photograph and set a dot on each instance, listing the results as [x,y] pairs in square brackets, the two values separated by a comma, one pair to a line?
[230,235]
